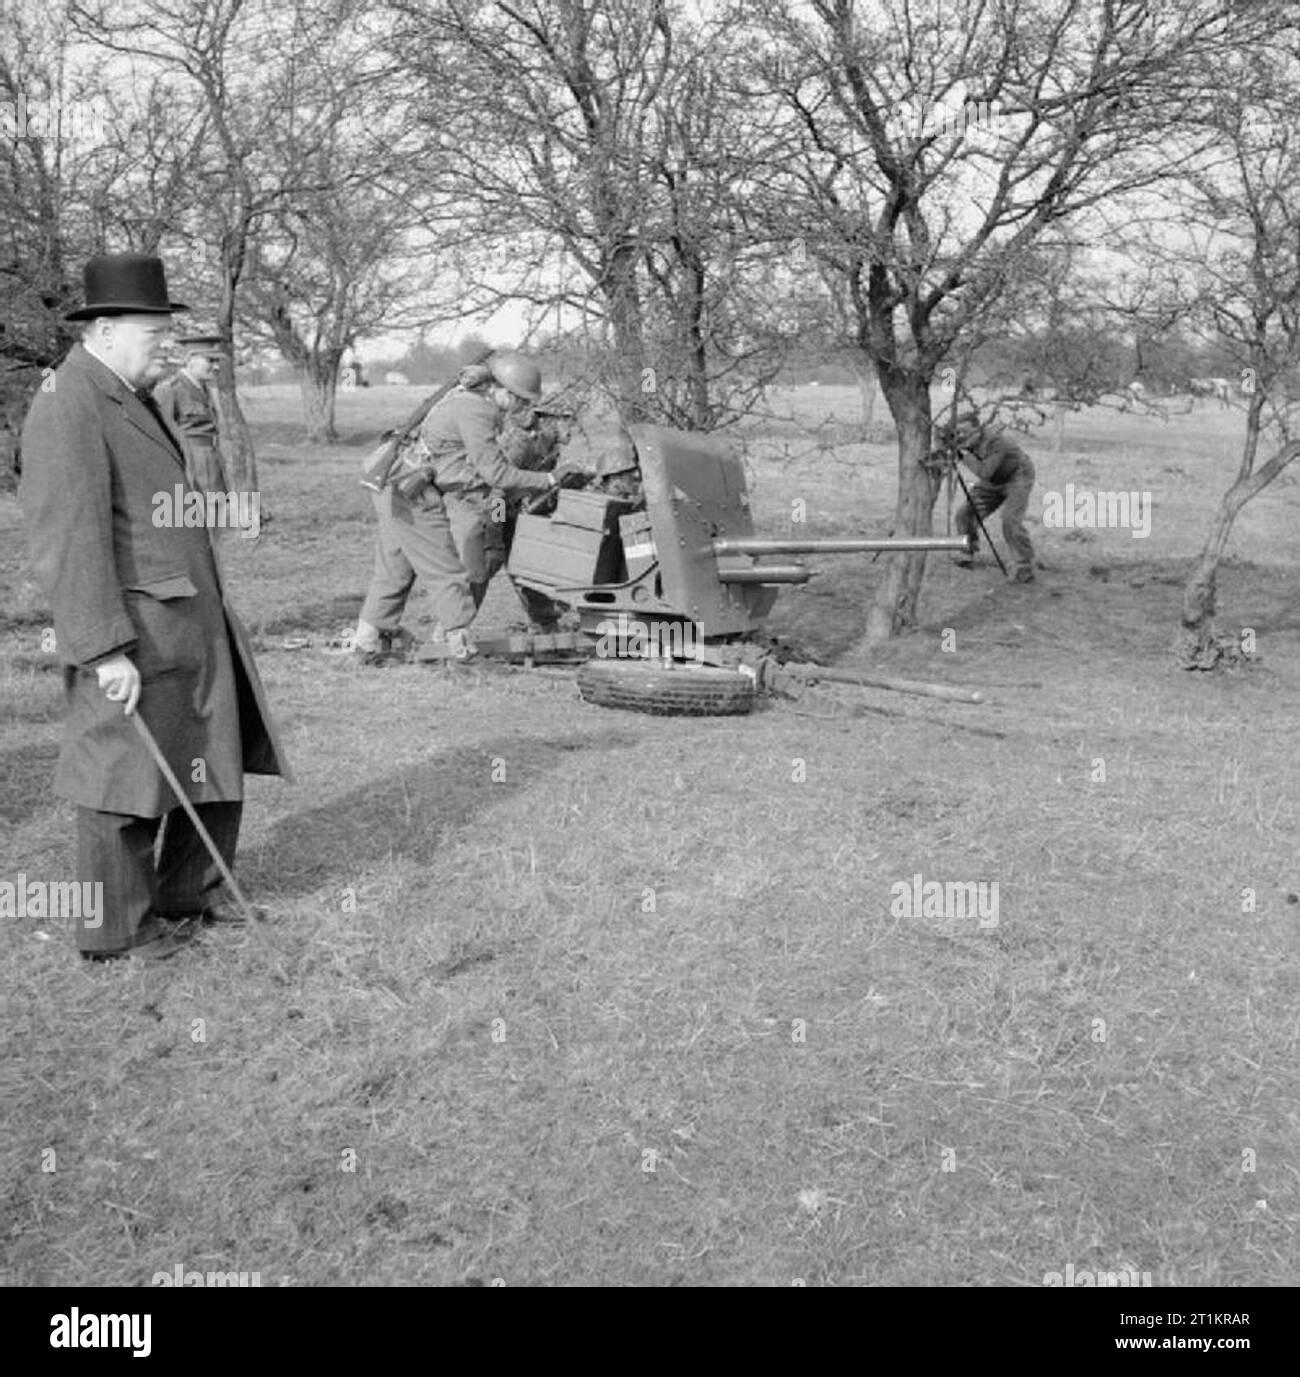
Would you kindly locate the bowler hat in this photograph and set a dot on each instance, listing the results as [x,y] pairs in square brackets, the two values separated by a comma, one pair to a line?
[119,284]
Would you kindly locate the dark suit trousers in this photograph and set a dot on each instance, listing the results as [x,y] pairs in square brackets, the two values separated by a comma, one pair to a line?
[151,865]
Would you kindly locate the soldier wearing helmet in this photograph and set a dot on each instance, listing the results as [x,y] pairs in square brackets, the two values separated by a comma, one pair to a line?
[619,475]
[444,530]
[1006,477]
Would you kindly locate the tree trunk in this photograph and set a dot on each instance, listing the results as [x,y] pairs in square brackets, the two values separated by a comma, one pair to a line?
[1058,439]
[318,383]
[634,380]
[701,409]
[894,608]
[233,437]
[1197,639]
[232,428]
[1200,592]
[868,389]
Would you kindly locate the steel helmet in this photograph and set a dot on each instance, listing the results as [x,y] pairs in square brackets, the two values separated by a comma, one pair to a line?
[518,374]
[968,423]
[962,427]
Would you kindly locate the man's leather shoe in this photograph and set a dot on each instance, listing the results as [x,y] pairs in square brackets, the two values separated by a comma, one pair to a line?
[227,913]
[155,940]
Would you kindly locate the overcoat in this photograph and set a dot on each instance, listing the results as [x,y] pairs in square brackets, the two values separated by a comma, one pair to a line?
[96,461]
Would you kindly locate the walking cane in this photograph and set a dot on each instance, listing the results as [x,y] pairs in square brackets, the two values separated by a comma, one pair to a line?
[192,813]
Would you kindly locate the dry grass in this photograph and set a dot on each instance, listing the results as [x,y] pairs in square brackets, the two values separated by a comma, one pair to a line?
[526,950]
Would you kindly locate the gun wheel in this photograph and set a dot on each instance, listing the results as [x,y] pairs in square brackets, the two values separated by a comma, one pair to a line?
[684,691]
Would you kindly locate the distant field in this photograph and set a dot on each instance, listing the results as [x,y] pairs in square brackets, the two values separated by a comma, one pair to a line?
[560,995]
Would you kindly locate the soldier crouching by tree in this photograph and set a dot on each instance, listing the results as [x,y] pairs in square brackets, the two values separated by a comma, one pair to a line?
[1006,477]
[619,475]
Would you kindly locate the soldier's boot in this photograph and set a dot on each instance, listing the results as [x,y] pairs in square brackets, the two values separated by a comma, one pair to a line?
[399,644]
[367,638]
[374,648]
[459,645]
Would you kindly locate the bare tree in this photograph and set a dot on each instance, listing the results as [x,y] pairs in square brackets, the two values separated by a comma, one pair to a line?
[921,152]
[255,115]
[52,167]
[540,130]
[215,84]
[717,295]
[1052,344]
[1239,216]
[592,157]
[347,251]
[321,282]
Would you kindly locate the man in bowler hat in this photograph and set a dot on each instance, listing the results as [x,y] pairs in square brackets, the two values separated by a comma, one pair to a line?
[185,401]
[142,625]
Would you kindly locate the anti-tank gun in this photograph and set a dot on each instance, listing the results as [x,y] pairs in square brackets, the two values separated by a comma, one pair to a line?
[671,589]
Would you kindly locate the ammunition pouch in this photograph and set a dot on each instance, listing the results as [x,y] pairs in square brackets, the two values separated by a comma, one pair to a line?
[414,485]
[412,473]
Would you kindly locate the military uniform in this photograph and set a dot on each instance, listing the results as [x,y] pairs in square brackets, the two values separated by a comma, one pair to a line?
[533,443]
[187,407]
[448,535]
[1006,476]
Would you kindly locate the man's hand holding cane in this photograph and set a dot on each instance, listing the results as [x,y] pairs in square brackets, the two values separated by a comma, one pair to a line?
[120,680]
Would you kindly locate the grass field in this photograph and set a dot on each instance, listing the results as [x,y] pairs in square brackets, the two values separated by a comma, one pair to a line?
[559,995]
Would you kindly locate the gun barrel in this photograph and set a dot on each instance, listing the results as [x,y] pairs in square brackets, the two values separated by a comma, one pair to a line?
[754,545]
[766,573]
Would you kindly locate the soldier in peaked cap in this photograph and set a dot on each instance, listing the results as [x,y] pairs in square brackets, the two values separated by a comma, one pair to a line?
[185,401]
[142,624]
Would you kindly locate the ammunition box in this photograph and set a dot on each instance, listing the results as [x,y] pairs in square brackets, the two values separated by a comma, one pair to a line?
[555,554]
[592,511]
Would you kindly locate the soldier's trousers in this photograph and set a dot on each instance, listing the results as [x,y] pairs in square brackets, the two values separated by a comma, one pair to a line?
[118,851]
[446,540]
[1013,498]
